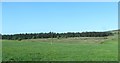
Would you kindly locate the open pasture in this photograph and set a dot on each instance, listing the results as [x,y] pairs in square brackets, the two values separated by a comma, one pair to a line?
[63,49]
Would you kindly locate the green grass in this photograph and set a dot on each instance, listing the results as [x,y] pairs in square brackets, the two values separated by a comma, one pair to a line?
[70,49]
[0,50]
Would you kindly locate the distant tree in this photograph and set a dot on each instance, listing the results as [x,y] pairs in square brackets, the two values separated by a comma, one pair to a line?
[58,37]
[19,39]
[33,37]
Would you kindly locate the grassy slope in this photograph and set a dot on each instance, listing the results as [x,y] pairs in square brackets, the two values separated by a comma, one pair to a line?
[74,49]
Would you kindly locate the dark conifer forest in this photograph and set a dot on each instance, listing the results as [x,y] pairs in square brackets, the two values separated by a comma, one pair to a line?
[55,35]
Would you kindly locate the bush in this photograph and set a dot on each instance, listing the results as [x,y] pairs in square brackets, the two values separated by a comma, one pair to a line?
[19,39]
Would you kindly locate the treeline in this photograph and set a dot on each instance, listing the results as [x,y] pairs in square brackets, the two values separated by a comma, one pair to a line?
[55,35]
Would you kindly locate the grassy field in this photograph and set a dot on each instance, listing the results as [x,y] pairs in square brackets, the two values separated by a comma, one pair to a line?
[0,50]
[63,49]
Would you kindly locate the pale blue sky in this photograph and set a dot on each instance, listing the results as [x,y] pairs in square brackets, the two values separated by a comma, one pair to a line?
[58,17]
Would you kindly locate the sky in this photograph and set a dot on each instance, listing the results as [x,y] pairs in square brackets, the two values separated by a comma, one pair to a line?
[35,17]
